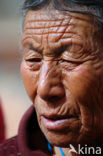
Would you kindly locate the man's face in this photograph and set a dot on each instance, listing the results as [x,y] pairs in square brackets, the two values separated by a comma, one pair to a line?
[62,71]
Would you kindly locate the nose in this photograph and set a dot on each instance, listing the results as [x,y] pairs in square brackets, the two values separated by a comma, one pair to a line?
[50,87]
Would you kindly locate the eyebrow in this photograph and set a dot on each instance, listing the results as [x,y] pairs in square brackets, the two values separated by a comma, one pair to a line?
[31,47]
[60,50]
[57,51]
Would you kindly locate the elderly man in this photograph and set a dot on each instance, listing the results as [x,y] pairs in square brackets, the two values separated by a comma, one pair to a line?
[62,71]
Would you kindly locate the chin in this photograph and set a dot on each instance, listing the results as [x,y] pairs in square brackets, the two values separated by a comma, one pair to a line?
[60,139]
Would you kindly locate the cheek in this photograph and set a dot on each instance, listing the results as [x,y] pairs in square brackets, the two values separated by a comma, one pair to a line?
[84,86]
[79,81]
[29,79]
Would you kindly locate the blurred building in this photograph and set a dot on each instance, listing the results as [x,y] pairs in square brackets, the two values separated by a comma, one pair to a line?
[10,15]
[12,92]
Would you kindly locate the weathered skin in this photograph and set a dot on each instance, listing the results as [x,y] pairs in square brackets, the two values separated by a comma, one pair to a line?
[62,70]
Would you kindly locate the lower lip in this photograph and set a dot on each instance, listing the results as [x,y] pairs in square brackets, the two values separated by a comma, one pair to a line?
[57,124]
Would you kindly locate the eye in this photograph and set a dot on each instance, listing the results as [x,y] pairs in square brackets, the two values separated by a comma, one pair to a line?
[69,64]
[33,60]
[34,63]
[33,55]
[68,61]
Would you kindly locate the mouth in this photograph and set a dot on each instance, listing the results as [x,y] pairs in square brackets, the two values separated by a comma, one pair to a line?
[58,122]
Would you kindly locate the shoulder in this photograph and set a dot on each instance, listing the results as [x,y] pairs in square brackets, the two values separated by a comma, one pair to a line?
[9,147]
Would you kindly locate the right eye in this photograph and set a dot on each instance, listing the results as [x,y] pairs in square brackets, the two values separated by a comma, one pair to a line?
[34,60]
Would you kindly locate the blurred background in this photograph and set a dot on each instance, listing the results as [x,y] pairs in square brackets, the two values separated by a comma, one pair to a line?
[12,93]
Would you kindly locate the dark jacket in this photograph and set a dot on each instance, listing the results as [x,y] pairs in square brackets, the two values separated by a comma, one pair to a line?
[29,142]
[2,123]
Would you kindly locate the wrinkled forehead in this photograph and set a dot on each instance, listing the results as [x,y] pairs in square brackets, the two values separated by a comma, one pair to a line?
[53,16]
[49,27]
[43,22]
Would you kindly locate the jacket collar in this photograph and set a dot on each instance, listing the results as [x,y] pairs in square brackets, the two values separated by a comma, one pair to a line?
[30,139]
